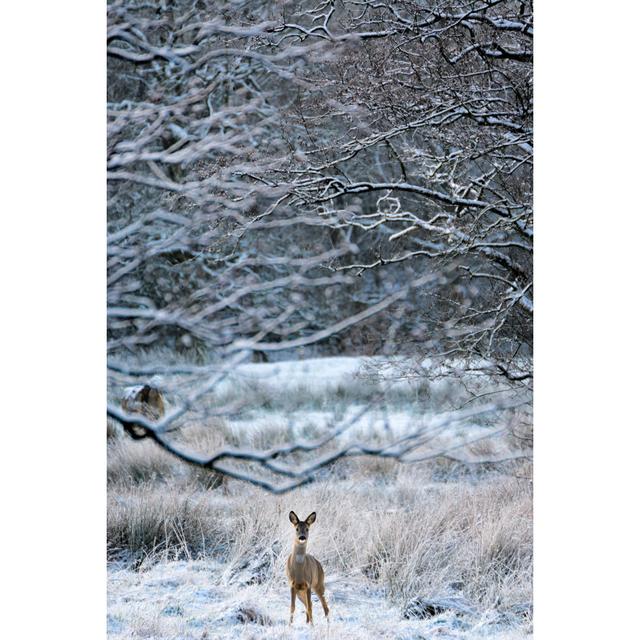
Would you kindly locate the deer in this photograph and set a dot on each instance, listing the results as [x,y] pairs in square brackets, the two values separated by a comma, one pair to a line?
[304,572]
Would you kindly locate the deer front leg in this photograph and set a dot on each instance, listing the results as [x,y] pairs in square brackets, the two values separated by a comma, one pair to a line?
[308,603]
[293,604]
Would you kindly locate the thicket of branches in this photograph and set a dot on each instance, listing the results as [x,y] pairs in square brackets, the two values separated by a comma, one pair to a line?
[346,176]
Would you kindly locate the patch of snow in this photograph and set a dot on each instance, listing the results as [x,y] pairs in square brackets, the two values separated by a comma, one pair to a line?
[191,600]
[314,372]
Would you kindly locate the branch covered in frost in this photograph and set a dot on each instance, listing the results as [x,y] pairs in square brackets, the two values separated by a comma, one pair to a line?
[309,178]
[290,474]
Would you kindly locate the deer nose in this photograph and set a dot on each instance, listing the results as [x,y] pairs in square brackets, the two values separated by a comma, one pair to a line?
[302,538]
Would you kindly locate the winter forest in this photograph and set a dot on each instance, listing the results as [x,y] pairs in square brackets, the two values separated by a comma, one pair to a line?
[320,299]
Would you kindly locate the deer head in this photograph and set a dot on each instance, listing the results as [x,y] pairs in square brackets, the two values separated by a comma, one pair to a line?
[302,526]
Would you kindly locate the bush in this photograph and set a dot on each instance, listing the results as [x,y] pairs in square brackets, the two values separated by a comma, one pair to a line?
[161,523]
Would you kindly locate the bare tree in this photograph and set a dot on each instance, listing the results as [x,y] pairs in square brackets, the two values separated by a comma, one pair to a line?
[318,175]
[431,163]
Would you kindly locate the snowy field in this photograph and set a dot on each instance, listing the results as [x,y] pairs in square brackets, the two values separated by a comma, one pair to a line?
[435,549]
[195,600]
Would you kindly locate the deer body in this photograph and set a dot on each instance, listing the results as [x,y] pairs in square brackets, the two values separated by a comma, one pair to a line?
[304,572]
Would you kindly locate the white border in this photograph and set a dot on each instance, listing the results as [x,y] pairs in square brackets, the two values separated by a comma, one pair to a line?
[52,537]
[586,347]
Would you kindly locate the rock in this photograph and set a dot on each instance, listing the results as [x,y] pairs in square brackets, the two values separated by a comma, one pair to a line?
[173,610]
[145,400]
[522,610]
[248,614]
[422,608]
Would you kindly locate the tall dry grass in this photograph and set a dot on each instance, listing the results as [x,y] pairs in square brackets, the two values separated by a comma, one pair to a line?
[131,462]
[432,529]
[406,538]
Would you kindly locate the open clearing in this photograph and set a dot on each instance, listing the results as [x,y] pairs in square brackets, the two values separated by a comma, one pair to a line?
[193,557]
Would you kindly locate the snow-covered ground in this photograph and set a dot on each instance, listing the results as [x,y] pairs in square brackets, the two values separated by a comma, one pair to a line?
[329,374]
[314,372]
[193,600]
[334,388]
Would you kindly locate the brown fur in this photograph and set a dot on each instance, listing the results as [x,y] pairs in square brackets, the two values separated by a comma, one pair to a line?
[145,400]
[304,572]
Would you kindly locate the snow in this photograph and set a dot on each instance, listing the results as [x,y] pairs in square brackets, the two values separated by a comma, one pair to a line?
[130,393]
[318,376]
[314,372]
[193,600]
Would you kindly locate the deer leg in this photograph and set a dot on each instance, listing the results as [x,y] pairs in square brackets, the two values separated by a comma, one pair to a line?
[325,607]
[303,598]
[293,604]
[309,611]
[323,602]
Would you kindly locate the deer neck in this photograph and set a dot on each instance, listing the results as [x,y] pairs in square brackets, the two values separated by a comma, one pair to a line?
[299,552]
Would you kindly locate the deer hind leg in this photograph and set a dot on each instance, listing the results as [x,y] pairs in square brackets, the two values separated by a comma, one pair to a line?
[323,602]
[325,606]
[293,604]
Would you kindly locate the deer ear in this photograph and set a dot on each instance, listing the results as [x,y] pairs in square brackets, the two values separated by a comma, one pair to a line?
[311,518]
[293,518]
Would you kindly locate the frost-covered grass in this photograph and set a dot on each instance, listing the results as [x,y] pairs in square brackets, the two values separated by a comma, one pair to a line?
[196,600]
[192,558]
[204,557]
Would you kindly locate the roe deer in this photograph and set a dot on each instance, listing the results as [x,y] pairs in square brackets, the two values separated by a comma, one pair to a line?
[303,570]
